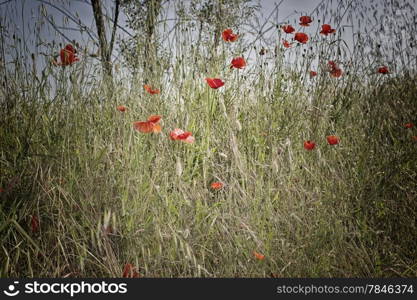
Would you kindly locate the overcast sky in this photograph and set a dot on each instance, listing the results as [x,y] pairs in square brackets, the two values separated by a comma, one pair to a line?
[23,18]
[25,13]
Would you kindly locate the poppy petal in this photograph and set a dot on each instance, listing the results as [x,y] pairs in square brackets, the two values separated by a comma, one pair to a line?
[215,83]
[305,21]
[229,36]
[157,128]
[151,91]
[258,256]
[121,108]
[144,127]
[129,271]
[301,37]
[332,140]
[288,29]
[238,63]
[309,145]
[184,135]
[154,119]
[174,134]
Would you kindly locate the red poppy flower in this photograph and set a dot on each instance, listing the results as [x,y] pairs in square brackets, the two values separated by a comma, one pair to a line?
[327,29]
[301,37]
[309,145]
[258,256]
[288,29]
[121,108]
[409,125]
[335,71]
[217,185]
[129,271]
[238,63]
[67,55]
[151,91]
[383,70]
[2,190]
[286,44]
[305,21]
[34,224]
[151,125]
[179,134]
[215,83]
[154,118]
[332,140]
[70,48]
[229,36]
[414,138]
[313,73]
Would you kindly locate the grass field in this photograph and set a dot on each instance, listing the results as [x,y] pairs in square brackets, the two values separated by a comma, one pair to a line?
[83,193]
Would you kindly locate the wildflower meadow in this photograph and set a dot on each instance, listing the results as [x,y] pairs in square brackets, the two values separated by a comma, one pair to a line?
[208,139]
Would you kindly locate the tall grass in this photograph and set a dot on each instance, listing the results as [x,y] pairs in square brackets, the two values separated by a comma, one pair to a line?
[106,195]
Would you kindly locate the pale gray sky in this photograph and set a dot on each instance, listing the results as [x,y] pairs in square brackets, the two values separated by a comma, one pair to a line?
[25,13]
[23,18]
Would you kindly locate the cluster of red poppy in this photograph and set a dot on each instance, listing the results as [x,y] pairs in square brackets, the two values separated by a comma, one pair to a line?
[68,56]
[301,37]
[151,125]
[237,62]
[331,140]
[334,140]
